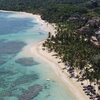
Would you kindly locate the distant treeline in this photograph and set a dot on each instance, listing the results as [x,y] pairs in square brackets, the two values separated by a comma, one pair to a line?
[53,10]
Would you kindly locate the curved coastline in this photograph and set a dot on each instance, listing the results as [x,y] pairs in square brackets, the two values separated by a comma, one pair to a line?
[72,85]
[36,50]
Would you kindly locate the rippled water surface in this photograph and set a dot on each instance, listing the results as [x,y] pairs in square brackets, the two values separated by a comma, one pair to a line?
[24,77]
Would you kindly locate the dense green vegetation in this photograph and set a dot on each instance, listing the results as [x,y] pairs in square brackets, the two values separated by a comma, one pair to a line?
[75,26]
[76,21]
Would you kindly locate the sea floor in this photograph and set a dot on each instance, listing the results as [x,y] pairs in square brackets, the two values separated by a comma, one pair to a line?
[25,77]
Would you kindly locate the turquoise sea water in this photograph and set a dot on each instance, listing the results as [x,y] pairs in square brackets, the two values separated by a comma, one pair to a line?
[23,77]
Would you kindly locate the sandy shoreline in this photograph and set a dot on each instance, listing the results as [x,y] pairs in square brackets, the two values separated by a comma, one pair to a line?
[74,87]
[36,50]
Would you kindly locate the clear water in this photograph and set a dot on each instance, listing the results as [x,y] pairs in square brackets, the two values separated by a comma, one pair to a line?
[20,74]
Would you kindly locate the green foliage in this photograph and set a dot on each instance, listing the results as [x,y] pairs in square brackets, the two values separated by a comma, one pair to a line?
[61,12]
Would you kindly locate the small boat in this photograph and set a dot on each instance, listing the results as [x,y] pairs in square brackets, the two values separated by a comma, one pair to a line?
[48,79]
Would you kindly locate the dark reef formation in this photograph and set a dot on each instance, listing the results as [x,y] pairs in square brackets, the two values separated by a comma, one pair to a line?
[26,61]
[11,47]
[25,79]
[8,49]
[31,93]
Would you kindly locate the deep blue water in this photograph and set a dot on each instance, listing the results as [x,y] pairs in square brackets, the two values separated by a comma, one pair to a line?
[13,25]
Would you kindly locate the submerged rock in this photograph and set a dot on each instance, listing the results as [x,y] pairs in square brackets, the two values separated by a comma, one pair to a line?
[4,72]
[11,47]
[31,93]
[26,61]
[25,79]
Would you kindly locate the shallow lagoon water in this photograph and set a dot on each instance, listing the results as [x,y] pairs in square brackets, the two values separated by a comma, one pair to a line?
[20,78]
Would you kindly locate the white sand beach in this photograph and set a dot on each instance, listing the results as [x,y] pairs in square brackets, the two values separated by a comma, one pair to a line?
[45,25]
